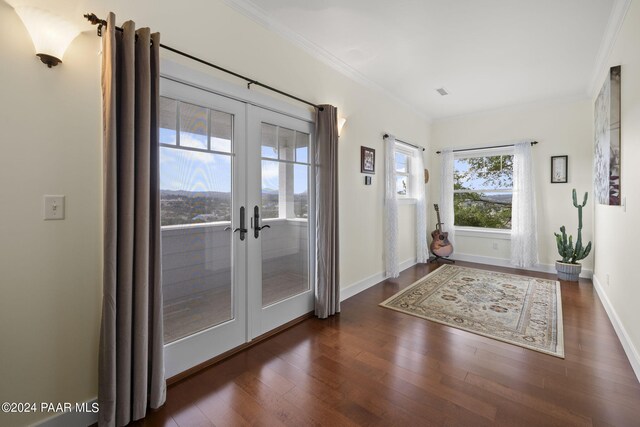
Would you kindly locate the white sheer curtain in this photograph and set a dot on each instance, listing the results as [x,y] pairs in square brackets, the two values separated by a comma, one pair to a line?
[417,176]
[391,209]
[446,194]
[524,235]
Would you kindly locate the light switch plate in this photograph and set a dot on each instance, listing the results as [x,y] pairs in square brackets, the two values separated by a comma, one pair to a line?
[53,207]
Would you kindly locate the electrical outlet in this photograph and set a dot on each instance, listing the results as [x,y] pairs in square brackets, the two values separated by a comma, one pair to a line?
[495,246]
[53,207]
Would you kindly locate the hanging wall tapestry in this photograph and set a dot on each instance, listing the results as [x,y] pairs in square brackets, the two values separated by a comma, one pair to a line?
[606,172]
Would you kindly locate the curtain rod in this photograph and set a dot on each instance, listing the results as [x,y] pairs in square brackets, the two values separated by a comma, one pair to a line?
[101,22]
[485,148]
[386,135]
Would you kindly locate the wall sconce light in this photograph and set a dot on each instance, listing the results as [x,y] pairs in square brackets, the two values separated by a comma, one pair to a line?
[341,122]
[51,34]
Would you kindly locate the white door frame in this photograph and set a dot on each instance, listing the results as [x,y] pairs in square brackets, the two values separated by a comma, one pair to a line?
[194,349]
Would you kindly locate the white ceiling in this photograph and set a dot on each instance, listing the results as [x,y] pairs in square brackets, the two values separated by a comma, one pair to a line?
[487,53]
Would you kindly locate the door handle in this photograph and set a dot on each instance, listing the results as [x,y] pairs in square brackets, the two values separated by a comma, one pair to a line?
[237,229]
[242,229]
[256,222]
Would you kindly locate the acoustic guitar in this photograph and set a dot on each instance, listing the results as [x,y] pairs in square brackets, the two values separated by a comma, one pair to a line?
[440,246]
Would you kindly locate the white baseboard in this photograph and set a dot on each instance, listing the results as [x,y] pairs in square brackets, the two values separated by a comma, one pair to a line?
[356,288]
[71,419]
[623,336]
[502,262]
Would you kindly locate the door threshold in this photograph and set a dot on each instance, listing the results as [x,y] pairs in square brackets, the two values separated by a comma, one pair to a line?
[227,354]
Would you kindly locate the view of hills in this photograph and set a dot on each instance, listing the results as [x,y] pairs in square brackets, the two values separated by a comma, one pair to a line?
[179,207]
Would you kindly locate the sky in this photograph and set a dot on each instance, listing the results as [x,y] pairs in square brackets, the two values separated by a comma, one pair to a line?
[195,171]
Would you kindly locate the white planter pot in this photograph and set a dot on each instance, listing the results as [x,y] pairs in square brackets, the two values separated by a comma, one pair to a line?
[567,271]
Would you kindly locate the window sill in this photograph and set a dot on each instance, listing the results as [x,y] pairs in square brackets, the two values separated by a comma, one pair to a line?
[485,233]
[277,220]
[195,225]
[406,201]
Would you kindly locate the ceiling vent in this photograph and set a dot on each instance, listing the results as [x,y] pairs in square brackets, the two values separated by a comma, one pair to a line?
[442,91]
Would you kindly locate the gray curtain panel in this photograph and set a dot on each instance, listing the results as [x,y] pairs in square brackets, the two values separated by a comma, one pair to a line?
[131,365]
[327,263]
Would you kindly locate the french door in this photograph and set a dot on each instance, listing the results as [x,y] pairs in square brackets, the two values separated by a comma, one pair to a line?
[280,195]
[237,214]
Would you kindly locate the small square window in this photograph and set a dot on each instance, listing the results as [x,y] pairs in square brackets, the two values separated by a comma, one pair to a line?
[286,143]
[221,125]
[193,126]
[269,141]
[168,120]
[302,147]
[402,163]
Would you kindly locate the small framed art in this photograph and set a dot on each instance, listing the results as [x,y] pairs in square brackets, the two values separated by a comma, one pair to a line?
[559,169]
[367,160]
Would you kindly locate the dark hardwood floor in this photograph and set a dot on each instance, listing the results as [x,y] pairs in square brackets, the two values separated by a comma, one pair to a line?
[374,366]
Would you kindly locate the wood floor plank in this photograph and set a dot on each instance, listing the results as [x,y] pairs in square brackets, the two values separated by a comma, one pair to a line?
[317,409]
[374,366]
[273,402]
[527,400]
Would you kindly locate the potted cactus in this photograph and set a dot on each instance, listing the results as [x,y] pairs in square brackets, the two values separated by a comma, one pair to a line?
[568,267]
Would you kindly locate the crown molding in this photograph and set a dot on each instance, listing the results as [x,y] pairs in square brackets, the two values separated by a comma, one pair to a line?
[518,106]
[616,19]
[261,17]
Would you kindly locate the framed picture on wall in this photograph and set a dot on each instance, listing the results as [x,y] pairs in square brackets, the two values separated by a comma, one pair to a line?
[607,154]
[367,160]
[559,169]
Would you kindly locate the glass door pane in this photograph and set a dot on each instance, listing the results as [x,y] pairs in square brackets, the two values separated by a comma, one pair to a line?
[195,208]
[285,207]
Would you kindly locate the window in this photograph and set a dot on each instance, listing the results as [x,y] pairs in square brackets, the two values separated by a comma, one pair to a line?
[482,190]
[195,164]
[403,173]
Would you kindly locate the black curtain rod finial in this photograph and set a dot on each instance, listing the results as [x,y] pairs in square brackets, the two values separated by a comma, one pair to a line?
[94,20]
[91,17]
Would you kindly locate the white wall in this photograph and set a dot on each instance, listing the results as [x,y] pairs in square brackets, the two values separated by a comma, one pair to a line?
[49,271]
[50,129]
[561,127]
[616,230]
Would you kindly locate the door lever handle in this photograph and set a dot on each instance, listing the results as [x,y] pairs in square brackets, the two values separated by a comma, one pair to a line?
[256,222]
[242,228]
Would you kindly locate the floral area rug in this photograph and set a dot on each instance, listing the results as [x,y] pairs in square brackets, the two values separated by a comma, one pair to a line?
[520,310]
